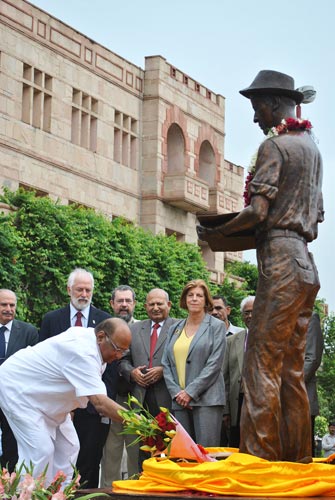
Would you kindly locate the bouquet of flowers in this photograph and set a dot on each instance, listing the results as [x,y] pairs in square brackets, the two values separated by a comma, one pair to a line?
[156,433]
[161,434]
[21,485]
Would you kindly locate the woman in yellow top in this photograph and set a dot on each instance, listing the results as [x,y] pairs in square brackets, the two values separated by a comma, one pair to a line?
[192,361]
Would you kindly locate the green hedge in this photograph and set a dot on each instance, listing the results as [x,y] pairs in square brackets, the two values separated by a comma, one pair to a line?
[42,241]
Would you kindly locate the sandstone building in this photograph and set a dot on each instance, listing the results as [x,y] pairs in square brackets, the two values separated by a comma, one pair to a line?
[83,125]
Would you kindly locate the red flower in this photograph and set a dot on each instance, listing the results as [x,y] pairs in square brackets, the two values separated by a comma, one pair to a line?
[170,426]
[294,124]
[161,419]
[246,195]
[163,422]
[150,441]
[157,441]
[160,444]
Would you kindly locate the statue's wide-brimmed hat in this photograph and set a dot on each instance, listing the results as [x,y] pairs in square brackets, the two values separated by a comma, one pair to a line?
[275,83]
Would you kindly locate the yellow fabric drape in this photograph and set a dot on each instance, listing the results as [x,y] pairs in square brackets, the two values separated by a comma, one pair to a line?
[239,475]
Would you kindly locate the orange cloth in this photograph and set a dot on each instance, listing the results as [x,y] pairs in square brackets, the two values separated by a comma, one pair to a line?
[239,475]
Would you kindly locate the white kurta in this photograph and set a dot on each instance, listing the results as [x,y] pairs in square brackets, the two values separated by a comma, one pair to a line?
[40,385]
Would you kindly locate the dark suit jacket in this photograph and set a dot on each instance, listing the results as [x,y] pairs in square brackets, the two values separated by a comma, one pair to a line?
[58,321]
[139,355]
[313,356]
[55,322]
[22,334]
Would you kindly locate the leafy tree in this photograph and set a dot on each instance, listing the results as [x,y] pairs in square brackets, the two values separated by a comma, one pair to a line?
[326,375]
[10,265]
[321,426]
[248,272]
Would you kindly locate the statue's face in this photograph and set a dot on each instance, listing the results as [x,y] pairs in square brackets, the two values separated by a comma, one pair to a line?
[263,115]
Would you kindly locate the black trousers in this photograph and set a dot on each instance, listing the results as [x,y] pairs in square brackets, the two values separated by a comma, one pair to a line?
[92,434]
[9,456]
[234,436]
[224,438]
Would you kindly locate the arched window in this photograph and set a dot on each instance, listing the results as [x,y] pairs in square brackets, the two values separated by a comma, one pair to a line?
[207,167]
[175,149]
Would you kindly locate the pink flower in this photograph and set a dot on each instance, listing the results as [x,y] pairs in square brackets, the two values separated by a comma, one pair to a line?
[28,483]
[57,482]
[12,477]
[77,480]
[26,487]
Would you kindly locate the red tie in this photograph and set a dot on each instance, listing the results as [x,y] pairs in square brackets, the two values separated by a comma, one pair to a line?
[2,344]
[153,342]
[78,320]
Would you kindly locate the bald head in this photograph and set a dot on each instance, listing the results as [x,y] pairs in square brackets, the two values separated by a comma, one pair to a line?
[157,305]
[114,338]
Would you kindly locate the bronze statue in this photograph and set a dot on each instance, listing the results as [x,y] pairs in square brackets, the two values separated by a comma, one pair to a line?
[284,193]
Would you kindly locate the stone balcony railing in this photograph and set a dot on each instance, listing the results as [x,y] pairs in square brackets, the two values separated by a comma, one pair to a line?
[186,192]
[194,195]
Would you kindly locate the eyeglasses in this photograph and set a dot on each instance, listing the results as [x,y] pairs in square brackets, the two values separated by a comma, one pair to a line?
[115,347]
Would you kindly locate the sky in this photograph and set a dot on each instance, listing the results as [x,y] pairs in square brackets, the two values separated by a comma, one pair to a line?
[223,44]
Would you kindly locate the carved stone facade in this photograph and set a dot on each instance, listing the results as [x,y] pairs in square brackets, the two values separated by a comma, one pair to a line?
[81,124]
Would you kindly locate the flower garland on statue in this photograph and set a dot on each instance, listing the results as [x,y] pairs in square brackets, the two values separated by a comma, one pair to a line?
[285,126]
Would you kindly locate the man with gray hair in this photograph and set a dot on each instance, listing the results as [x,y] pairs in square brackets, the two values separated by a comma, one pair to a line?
[232,373]
[79,312]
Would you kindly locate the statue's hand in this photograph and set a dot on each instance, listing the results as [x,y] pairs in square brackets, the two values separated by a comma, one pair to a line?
[204,232]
